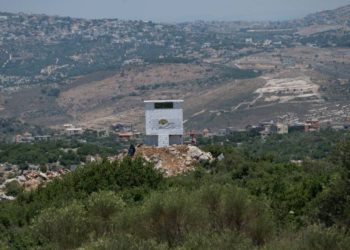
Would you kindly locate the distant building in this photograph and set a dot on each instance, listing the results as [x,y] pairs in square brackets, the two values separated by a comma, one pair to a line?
[125,136]
[70,130]
[206,132]
[68,125]
[282,128]
[221,132]
[42,138]
[249,40]
[164,122]
[120,127]
[311,126]
[25,138]
[74,131]
[253,129]
[268,128]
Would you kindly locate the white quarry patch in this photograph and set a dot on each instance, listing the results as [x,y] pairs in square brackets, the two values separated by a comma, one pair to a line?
[283,90]
[288,89]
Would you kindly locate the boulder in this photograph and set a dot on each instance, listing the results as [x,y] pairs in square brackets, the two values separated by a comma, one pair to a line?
[205,157]
[194,152]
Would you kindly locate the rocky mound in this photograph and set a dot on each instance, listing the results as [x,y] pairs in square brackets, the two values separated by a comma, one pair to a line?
[30,180]
[174,160]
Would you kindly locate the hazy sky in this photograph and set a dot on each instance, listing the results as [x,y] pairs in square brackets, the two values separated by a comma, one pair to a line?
[174,10]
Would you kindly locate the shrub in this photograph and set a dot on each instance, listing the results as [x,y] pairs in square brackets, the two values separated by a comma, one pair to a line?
[260,226]
[341,154]
[320,238]
[170,216]
[211,200]
[104,204]
[231,208]
[65,227]
[101,207]
[13,188]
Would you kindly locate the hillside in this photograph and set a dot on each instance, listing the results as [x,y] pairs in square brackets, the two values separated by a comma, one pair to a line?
[338,16]
[327,28]
[97,72]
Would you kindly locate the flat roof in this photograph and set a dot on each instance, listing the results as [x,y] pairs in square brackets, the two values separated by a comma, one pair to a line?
[74,129]
[161,101]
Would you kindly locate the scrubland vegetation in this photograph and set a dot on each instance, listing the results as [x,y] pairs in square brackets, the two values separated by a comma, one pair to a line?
[250,200]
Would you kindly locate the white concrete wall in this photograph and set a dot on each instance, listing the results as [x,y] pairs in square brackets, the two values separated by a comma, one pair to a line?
[173,120]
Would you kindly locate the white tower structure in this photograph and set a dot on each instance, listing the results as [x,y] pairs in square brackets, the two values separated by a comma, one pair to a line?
[164,122]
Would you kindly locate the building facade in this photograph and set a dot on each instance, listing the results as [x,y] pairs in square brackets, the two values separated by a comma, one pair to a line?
[282,128]
[164,122]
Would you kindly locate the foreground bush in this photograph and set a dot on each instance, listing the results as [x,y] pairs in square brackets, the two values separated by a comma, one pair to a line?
[171,216]
[231,208]
[101,207]
[166,217]
[320,238]
[65,228]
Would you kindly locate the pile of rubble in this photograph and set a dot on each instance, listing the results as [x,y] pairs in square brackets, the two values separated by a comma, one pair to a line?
[30,180]
[174,160]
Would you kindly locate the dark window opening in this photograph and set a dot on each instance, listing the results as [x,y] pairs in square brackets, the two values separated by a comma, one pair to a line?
[164,105]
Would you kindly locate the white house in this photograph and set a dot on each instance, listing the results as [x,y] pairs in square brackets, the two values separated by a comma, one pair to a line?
[164,122]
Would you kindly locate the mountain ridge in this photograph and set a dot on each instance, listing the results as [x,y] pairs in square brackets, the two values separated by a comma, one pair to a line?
[338,16]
